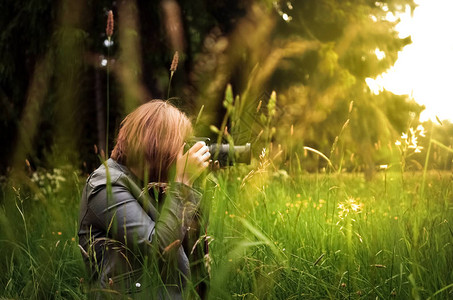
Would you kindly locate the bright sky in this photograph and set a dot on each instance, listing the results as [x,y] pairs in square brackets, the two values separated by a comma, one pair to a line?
[424,69]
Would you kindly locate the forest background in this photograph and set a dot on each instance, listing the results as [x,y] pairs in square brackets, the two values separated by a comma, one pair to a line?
[315,54]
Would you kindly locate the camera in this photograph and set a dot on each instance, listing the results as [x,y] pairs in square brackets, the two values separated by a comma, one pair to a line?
[226,154]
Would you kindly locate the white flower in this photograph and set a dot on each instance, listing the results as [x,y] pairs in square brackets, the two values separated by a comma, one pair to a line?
[355,207]
[404,136]
[398,143]
[421,130]
[138,284]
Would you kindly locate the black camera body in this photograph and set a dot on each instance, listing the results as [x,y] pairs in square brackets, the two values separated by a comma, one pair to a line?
[226,154]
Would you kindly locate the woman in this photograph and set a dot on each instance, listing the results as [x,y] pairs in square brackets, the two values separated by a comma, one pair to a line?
[122,226]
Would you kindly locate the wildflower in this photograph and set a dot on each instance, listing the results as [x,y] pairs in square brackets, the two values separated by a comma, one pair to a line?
[347,207]
[138,285]
[109,27]
[413,142]
[410,142]
[355,207]
[421,130]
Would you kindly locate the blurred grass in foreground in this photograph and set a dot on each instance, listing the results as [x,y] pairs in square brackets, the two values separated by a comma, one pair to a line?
[272,236]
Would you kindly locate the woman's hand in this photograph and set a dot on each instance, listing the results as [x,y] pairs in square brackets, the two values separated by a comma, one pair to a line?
[190,165]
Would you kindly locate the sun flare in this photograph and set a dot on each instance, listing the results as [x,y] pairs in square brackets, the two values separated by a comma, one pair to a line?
[424,68]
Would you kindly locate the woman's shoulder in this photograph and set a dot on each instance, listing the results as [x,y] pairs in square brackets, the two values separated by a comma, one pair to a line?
[110,168]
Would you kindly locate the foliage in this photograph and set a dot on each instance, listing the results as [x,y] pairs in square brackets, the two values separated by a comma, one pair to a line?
[38,220]
[335,237]
[316,55]
[271,236]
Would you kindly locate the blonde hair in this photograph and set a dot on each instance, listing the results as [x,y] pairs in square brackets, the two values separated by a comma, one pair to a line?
[150,139]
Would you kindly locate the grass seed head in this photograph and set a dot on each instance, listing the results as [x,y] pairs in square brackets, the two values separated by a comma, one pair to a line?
[259,106]
[109,27]
[174,62]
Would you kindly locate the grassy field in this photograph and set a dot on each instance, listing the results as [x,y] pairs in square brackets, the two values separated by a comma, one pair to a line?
[272,236]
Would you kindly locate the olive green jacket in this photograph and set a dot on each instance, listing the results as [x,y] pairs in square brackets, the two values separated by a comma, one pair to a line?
[121,229]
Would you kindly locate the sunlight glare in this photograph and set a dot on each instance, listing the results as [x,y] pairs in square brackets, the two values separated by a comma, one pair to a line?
[379,54]
[391,17]
[108,43]
[424,69]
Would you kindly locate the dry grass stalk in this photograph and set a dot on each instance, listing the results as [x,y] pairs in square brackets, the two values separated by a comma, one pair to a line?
[174,244]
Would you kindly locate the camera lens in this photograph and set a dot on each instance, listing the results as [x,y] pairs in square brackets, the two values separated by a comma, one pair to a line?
[227,155]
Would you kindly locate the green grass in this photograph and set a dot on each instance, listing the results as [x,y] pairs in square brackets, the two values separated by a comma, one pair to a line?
[283,238]
[273,236]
